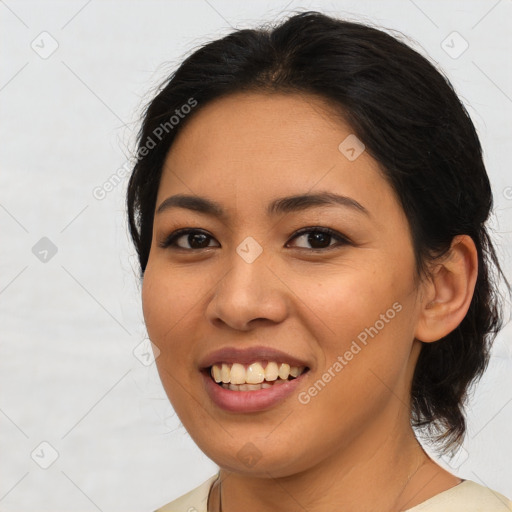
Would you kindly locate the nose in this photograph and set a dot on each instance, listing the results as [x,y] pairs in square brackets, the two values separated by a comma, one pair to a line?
[249,294]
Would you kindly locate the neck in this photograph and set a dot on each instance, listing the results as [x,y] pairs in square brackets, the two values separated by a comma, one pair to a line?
[372,472]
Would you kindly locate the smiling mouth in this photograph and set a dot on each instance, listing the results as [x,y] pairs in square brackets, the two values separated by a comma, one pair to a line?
[255,376]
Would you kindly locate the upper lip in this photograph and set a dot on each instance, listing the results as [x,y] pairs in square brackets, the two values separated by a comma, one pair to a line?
[249,355]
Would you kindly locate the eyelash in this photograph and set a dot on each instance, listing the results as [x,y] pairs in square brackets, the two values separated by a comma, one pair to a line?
[170,241]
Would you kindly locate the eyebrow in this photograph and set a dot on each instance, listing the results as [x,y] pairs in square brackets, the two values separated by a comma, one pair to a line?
[277,206]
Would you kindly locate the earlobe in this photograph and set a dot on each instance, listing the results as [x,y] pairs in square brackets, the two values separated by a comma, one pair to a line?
[449,291]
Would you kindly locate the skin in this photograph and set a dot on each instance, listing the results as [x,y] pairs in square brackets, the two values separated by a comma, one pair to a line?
[351,447]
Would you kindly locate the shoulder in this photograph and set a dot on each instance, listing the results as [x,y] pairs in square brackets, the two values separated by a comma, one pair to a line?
[468,496]
[193,501]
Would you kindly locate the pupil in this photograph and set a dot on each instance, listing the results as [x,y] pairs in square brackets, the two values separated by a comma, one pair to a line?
[198,237]
[318,237]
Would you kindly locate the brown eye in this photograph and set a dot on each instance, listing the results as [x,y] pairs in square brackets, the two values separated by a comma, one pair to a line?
[194,238]
[320,238]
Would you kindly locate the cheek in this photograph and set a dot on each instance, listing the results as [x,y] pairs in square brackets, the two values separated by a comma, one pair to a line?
[167,295]
[364,359]
[362,322]
[167,302]
[347,300]
[168,306]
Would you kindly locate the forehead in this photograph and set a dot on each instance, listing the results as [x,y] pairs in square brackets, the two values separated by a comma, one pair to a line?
[248,147]
[238,127]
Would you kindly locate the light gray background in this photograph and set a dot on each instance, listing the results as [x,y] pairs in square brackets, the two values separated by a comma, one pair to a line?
[70,324]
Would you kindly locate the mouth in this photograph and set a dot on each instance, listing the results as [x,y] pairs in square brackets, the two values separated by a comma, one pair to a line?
[241,393]
[252,379]
[255,376]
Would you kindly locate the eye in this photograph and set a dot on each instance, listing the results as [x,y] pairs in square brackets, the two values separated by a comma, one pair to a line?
[320,238]
[195,238]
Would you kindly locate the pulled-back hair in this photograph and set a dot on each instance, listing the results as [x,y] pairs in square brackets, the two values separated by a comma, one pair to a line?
[411,122]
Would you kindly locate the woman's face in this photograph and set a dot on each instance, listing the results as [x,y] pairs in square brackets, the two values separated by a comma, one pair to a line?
[253,281]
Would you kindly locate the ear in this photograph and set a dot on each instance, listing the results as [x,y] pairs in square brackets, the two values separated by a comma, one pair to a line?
[447,295]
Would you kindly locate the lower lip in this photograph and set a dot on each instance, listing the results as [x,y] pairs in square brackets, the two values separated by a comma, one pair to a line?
[250,401]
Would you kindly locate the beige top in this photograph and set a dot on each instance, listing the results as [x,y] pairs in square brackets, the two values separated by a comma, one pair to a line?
[468,496]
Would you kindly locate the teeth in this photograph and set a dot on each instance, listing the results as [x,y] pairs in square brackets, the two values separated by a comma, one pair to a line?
[237,374]
[248,387]
[284,371]
[255,376]
[271,371]
[294,371]
[216,373]
[225,373]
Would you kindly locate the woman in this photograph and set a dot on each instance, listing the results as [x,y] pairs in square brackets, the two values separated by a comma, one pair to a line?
[308,207]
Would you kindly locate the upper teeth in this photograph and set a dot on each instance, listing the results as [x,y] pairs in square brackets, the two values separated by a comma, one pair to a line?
[255,373]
